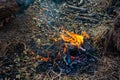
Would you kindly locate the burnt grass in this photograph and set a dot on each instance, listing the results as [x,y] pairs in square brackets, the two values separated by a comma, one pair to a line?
[32,36]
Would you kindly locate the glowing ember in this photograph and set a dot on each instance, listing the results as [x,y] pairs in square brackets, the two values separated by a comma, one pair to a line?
[44,59]
[74,39]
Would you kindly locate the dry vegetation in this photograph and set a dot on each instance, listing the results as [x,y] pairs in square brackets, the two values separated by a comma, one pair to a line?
[18,54]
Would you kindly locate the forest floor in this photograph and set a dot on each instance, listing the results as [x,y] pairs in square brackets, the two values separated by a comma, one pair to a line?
[30,34]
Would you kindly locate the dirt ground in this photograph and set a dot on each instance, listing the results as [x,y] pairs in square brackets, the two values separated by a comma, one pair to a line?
[30,27]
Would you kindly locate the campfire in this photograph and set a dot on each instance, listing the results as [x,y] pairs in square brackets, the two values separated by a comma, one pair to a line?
[73,43]
[75,54]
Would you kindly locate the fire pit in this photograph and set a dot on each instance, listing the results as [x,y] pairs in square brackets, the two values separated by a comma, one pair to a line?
[75,55]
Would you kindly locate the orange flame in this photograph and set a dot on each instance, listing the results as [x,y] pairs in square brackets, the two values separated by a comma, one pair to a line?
[44,59]
[85,34]
[74,39]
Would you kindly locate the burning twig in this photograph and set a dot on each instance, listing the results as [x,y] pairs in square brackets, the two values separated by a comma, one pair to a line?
[74,39]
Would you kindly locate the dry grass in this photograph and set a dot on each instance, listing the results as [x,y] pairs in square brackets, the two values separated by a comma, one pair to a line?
[24,29]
